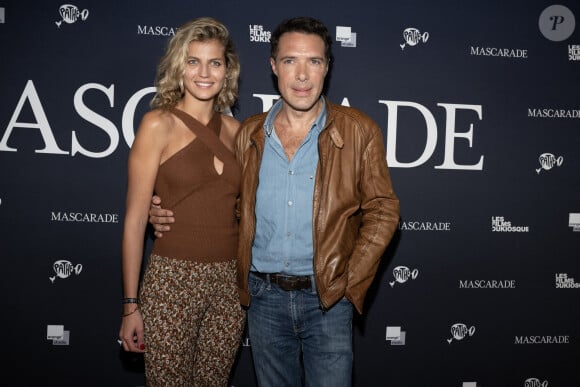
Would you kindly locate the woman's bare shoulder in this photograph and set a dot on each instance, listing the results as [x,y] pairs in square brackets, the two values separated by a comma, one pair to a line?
[230,124]
[158,119]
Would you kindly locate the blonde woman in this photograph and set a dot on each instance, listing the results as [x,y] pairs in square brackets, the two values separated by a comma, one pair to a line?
[185,314]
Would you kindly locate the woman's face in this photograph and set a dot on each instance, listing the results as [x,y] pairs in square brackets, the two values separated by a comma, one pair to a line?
[205,70]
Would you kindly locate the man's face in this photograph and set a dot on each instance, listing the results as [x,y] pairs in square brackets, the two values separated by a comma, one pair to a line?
[300,66]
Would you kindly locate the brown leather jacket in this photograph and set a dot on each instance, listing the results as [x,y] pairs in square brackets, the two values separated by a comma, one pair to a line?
[355,212]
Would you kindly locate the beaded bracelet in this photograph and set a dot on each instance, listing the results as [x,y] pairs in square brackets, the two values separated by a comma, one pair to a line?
[130,300]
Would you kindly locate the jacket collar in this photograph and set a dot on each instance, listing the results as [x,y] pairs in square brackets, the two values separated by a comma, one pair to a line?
[329,127]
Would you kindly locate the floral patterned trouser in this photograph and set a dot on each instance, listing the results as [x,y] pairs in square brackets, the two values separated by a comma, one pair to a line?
[193,322]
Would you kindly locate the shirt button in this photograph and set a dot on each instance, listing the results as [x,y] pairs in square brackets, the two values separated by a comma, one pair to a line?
[290,172]
[290,202]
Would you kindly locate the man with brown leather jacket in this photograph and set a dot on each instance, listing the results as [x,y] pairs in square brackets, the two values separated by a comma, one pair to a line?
[317,210]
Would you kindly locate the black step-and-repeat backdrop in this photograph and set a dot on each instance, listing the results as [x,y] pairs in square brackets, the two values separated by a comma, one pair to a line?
[479,104]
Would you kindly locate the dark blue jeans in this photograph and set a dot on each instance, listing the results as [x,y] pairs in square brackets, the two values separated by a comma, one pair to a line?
[292,338]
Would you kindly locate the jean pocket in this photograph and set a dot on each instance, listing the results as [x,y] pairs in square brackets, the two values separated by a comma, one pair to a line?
[256,286]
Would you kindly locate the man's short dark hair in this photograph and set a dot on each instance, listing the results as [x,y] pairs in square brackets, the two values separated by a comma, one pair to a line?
[304,24]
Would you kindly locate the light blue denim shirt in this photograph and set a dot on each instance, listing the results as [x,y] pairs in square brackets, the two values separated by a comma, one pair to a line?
[283,240]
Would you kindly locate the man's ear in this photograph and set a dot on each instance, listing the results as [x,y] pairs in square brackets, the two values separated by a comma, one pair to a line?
[273,65]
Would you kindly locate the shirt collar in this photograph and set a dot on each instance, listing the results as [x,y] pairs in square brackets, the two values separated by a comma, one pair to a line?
[269,123]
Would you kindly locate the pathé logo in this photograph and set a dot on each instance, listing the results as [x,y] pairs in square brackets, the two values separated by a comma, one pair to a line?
[413,36]
[64,269]
[460,331]
[535,382]
[71,13]
[549,161]
[402,274]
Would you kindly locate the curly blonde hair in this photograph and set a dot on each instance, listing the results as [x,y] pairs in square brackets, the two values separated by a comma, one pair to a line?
[169,78]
